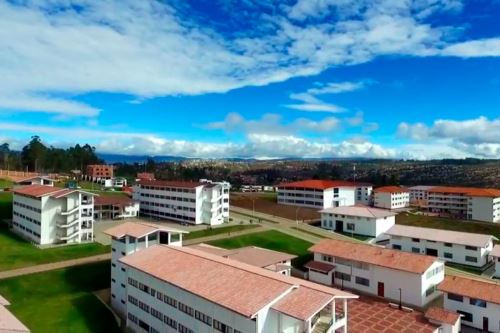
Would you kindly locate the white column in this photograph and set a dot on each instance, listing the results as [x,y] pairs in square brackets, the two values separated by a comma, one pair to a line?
[345,314]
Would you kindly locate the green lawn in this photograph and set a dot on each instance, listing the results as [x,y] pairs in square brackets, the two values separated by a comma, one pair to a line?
[273,240]
[61,300]
[16,252]
[5,205]
[5,183]
[217,231]
[449,224]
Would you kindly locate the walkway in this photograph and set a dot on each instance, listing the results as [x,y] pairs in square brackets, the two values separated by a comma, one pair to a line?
[223,236]
[54,265]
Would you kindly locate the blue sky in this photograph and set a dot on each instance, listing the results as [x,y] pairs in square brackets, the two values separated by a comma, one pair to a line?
[254,78]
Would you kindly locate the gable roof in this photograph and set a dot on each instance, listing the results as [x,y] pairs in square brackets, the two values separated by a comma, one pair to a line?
[38,191]
[442,315]
[391,189]
[234,285]
[359,210]
[474,288]
[318,184]
[138,229]
[467,191]
[496,251]
[440,235]
[375,255]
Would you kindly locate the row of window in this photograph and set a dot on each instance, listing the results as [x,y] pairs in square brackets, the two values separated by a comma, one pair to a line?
[217,325]
[156,204]
[166,197]
[447,255]
[434,272]
[472,301]
[27,218]
[301,202]
[25,229]
[168,189]
[165,214]
[25,206]
[301,195]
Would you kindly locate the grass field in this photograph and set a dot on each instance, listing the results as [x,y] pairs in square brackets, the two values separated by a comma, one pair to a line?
[273,240]
[16,252]
[217,231]
[5,205]
[449,224]
[5,183]
[61,300]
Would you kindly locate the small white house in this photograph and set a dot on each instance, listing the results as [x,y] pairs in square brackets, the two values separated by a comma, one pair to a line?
[457,247]
[395,275]
[358,220]
[476,300]
[36,180]
[391,197]
[495,255]
[449,321]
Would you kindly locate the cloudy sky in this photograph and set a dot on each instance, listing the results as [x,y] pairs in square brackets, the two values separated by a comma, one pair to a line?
[254,78]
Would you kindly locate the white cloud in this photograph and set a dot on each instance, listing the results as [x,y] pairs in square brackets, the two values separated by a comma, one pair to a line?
[337,87]
[149,48]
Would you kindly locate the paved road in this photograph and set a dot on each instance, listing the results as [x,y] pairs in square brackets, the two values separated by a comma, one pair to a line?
[54,265]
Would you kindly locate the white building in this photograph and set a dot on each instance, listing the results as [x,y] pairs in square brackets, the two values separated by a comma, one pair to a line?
[36,180]
[113,207]
[187,202]
[449,321]
[373,270]
[391,197]
[458,247]
[495,255]
[51,215]
[129,238]
[8,322]
[481,204]
[478,301]
[226,188]
[323,193]
[278,262]
[358,220]
[179,289]
[419,195]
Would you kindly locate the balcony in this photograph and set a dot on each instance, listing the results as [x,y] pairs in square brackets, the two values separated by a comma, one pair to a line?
[324,323]
[70,211]
[66,237]
[68,224]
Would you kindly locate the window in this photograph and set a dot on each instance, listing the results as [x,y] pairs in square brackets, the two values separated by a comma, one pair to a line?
[415,240]
[472,248]
[448,255]
[430,290]
[170,322]
[170,301]
[342,276]
[143,325]
[186,309]
[350,226]
[455,297]
[362,281]
[466,315]
[396,246]
[448,244]
[221,327]
[327,258]
[415,250]
[203,317]
[477,302]
[184,329]
[470,259]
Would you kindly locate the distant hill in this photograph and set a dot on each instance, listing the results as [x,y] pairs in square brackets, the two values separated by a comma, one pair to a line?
[118,158]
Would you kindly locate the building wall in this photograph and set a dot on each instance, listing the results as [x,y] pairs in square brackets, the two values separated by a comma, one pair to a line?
[320,199]
[391,200]
[362,225]
[484,209]
[458,252]
[492,312]
[364,195]
[414,286]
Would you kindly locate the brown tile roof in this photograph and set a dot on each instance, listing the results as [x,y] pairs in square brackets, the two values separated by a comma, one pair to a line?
[319,266]
[468,191]
[38,191]
[169,183]
[302,303]
[118,200]
[474,288]
[359,210]
[237,286]
[391,189]
[375,255]
[318,184]
[137,229]
[368,314]
[441,315]
[252,255]
[441,235]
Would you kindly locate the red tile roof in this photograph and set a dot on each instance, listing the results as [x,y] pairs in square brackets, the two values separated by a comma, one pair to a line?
[319,266]
[441,315]
[234,285]
[375,255]
[468,191]
[318,184]
[475,288]
[137,229]
[391,189]
[118,200]
[38,191]
[169,183]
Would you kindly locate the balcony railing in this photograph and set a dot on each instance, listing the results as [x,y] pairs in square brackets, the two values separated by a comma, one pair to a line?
[68,237]
[68,212]
[68,224]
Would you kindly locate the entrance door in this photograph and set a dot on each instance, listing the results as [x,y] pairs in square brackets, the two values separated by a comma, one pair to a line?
[486,326]
[431,252]
[339,226]
[380,289]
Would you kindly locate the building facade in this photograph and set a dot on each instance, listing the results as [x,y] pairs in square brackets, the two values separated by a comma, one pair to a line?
[50,215]
[391,197]
[451,246]
[95,172]
[477,301]
[323,194]
[495,256]
[359,220]
[469,203]
[391,274]
[419,195]
[186,202]
[115,208]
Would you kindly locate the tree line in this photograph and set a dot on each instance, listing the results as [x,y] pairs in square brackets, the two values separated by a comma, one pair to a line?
[37,157]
